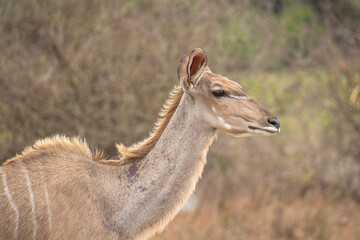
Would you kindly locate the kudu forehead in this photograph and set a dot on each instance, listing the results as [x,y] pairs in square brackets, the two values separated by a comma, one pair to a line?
[229,86]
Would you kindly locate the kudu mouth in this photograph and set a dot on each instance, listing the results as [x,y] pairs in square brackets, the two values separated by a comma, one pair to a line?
[275,127]
[264,130]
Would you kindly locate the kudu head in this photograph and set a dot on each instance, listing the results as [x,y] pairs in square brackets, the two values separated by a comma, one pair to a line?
[222,103]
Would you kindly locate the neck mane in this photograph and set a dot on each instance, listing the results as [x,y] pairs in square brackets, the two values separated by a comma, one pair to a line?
[141,149]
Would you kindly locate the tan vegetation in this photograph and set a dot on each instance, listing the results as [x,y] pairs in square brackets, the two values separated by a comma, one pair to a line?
[75,67]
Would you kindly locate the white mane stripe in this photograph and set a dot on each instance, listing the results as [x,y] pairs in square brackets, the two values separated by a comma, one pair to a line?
[12,204]
[32,201]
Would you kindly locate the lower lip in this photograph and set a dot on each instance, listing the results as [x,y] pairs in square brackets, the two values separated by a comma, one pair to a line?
[266,130]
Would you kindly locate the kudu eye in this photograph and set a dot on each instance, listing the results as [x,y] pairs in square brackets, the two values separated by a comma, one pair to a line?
[219,93]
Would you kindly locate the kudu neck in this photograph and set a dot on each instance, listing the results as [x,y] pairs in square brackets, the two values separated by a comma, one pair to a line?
[186,134]
[158,185]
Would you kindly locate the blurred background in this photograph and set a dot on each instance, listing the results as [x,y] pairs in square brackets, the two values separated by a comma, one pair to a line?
[101,69]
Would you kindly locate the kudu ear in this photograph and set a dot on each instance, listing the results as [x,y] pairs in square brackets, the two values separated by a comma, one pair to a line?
[191,68]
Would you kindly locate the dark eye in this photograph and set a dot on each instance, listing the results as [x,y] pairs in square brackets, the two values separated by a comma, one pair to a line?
[219,93]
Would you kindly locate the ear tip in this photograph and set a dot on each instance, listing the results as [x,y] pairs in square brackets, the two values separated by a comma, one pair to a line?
[197,51]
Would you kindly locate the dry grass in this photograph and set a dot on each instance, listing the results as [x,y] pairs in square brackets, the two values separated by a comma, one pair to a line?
[260,214]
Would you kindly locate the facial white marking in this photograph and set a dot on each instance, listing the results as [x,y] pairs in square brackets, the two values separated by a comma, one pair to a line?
[227,126]
[262,131]
[240,97]
[216,88]
[32,201]
[221,119]
[12,204]
[214,110]
[272,129]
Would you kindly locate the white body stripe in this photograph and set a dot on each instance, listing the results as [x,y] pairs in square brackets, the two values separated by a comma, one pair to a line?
[48,205]
[12,204]
[32,201]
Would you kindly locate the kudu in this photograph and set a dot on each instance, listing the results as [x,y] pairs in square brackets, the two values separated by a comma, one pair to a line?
[60,189]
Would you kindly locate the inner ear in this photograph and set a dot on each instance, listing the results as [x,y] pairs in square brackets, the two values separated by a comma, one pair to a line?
[191,68]
[197,62]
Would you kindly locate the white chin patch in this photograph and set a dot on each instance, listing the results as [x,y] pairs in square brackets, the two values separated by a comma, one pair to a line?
[265,130]
[272,129]
[227,126]
[261,131]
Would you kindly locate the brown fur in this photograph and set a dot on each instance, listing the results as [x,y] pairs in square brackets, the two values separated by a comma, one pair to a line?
[60,189]
[59,145]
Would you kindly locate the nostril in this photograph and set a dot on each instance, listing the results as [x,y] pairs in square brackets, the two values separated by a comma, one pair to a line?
[275,122]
